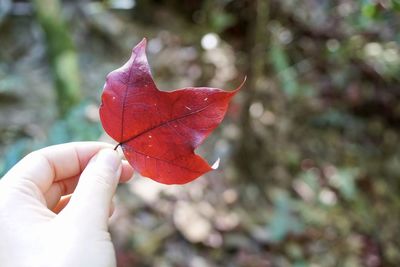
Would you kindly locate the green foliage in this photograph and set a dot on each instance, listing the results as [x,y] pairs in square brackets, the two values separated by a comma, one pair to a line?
[369,10]
[283,221]
[396,5]
[76,126]
[286,74]
[13,154]
[67,130]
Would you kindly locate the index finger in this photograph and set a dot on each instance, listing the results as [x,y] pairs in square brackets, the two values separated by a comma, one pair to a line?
[54,163]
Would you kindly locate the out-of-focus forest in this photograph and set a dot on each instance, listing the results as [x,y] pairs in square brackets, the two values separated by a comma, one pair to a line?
[310,154]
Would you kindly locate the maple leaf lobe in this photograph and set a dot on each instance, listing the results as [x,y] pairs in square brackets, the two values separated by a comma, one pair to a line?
[158,131]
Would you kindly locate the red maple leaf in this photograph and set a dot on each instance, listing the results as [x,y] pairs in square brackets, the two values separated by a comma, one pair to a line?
[158,131]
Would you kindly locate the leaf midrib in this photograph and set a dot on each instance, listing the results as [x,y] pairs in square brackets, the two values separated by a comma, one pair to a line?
[165,122]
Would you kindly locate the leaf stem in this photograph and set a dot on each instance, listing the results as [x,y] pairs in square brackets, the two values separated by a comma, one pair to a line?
[115,148]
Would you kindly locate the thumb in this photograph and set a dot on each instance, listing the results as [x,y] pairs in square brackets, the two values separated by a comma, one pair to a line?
[92,198]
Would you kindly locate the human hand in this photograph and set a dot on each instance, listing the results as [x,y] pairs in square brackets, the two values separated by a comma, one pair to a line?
[41,224]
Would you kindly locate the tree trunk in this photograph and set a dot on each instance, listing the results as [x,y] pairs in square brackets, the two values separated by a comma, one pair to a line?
[62,55]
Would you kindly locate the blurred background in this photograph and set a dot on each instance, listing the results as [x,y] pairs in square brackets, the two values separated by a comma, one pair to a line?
[310,172]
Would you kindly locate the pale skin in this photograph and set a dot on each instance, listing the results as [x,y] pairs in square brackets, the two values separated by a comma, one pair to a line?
[55,206]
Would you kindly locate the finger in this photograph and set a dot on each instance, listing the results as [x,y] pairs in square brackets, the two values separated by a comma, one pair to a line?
[59,189]
[91,201]
[112,209]
[61,204]
[65,200]
[55,163]
[67,186]
[127,172]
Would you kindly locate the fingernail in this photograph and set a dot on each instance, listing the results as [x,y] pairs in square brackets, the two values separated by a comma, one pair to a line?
[109,157]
